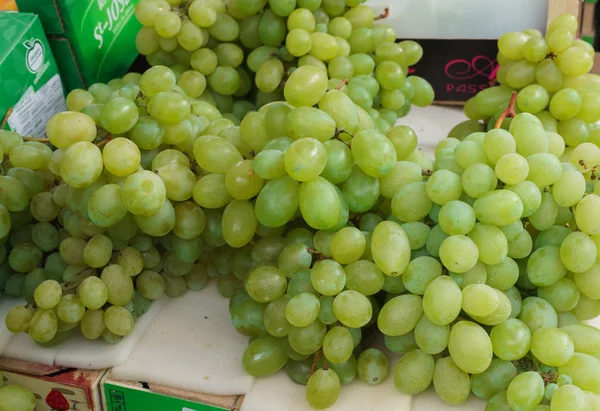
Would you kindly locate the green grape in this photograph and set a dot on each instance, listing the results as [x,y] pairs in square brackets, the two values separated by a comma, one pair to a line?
[390,248]
[347,245]
[582,369]
[306,86]
[215,155]
[343,110]
[26,156]
[444,186]
[45,236]
[562,295]
[352,309]
[322,388]
[70,310]
[470,347]
[338,345]
[118,283]
[360,190]
[570,397]
[417,232]
[106,207]
[411,202]
[275,319]
[92,324]
[71,250]
[584,215]
[307,340]
[458,253]
[434,241]
[372,366]
[533,98]
[545,266]
[294,258]
[511,339]
[143,193]
[119,115]
[266,284]
[32,280]
[565,104]
[451,384]
[14,196]
[479,299]
[442,300]
[491,242]
[15,397]
[363,276]
[298,371]
[431,338]
[578,252]
[340,163]
[552,346]
[302,309]
[569,188]
[319,203]
[305,159]
[476,180]
[503,275]
[93,293]
[456,218]
[538,313]
[61,131]
[400,315]
[525,391]
[264,356]
[18,318]
[118,321]
[305,122]
[43,325]
[210,191]
[301,283]
[414,372]
[48,294]
[420,272]
[494,380]
[328,277]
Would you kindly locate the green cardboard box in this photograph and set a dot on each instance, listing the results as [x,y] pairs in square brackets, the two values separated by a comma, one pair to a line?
[138,396]
[92,40]
[30,84]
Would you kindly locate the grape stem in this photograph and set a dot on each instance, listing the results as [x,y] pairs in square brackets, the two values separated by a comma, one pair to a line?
[40,139]
[426,172]
[5,119]
[105,141]
[385,14]
[342,84]
[509,112]
[315,359]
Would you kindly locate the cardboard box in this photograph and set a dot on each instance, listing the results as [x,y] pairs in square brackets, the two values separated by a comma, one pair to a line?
[139,396]
[93,40]
[588,21]
[30,84]
[56,389]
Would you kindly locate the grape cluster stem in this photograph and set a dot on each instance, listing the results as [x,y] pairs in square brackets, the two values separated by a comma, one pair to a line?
[509,112]
[5,119]
[342,84]
[385,14]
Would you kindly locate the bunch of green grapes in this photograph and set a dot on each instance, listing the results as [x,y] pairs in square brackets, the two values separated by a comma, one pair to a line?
[238,54]
[15,398]
[551,75]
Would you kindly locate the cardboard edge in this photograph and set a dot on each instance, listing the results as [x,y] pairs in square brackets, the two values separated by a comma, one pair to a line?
[227,402]
[29,368]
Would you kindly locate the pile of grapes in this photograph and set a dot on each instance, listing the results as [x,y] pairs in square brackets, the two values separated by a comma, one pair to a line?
[260,150]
